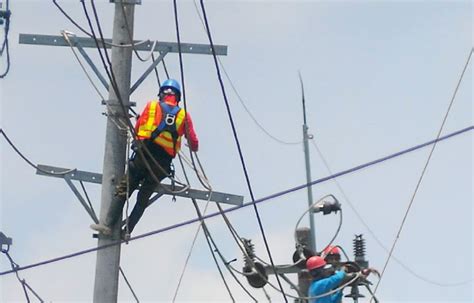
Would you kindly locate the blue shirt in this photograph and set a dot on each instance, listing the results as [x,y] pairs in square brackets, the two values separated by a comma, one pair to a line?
[322,286]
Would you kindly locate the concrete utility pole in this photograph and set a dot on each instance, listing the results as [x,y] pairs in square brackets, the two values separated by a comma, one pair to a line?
[108,259]
[304,278]
[306,137]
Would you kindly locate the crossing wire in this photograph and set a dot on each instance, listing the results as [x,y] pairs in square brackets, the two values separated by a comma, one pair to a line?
[372,233]
[183,93]
[28,161]
[261,200]
[207,236]
[127,26]
[420,179]
[239,97]
[232,230]
[234,131]
[204,183]
[92,35]
[264,130]
[23,283]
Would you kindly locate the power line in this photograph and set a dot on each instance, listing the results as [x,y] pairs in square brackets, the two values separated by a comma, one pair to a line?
[228,224]
[28,161]
[92,35]
[183,97]
[23,282]
[263,129]
[66,37]
[207,235]
[261,200]
[423,172]
[239,97]
[372,233]
[71,19]
[234,233]
[234,131]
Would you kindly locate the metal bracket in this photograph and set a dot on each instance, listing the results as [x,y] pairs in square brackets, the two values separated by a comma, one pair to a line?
[162,48]
[148,71]
[172,47]
[115,103]
[282,269]
[162,189]
[4,240]
[139,2]
[86,57]
[87,207]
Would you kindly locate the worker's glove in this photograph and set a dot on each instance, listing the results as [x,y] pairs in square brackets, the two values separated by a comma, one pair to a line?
[135,145]
[368,271]
[350,267]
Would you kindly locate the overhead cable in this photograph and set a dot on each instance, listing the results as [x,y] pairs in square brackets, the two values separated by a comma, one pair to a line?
[239,97]
[420,179]
[66,34]
[183,97]
[234,131]
[372,233]
[207,236]
[31,163]
[129,32]
[205,182]
[92,35]
[261,200]
[183,93]
[23,282]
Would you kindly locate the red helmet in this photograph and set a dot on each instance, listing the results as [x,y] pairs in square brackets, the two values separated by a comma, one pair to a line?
[315,262]
[331,250]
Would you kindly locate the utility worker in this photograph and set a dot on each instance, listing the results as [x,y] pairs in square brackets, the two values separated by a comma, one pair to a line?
[332,255]
[159,130]
[325,279]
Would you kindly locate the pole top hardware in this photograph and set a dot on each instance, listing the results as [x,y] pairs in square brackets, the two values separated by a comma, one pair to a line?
[139,2]
[115,103]
[4,240]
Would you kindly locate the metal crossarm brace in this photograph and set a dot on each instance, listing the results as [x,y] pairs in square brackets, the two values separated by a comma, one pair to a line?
[89,61]
[282,269]
[148,71]
[89,210]
[162,47]
[162,189]
[172,47]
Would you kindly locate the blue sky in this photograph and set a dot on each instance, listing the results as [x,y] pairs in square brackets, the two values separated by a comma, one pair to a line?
[378,76]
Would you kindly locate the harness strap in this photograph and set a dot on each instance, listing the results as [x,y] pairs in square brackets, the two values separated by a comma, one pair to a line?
[167,123]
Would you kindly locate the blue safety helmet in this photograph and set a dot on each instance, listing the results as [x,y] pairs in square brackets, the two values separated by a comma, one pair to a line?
[172,84]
